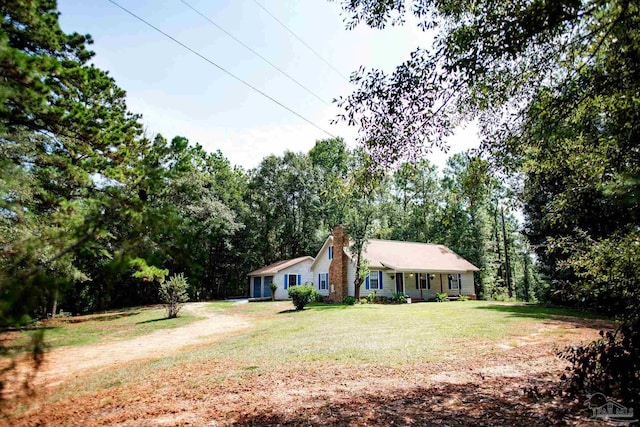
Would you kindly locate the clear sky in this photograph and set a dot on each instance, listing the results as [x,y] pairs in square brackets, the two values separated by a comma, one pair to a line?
[179,93]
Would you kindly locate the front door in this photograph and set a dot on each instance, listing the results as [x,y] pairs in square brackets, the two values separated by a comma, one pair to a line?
[399,282]
[268,280]
[257,287]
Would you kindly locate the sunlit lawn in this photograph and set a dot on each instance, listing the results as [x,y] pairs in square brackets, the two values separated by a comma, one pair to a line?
[382,334]
[115,325]
[393,336]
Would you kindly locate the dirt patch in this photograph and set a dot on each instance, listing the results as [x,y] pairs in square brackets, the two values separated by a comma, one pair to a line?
[64,363]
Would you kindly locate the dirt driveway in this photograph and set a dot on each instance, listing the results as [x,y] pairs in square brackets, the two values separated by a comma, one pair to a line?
[64,363]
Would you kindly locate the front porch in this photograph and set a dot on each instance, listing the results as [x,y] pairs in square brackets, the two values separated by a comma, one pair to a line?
[423,286]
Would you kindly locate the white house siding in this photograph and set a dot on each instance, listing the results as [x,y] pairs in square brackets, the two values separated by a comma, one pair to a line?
[467,284]
[351,276]
[388,284]
[302,268]
[321,267]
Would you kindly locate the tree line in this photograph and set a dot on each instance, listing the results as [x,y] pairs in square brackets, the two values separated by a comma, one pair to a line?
[87,198]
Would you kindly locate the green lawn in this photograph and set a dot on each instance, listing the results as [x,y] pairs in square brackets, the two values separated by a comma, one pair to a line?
[390,335]
[116,325]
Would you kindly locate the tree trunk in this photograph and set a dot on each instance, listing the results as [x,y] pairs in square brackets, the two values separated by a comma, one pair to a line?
[527,267]
[507,272]
[54,307]
[496,229]
[358,281]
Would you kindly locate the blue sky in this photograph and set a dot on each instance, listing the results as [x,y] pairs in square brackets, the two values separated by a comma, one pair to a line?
[178,93]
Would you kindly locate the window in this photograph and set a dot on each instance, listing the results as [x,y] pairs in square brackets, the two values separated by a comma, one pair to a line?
[330,252]
[373,280]
[423,281]
[323,282]
[454,281]
[293,280]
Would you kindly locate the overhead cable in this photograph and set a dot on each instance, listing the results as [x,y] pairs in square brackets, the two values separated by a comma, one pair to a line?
[254,52]
[220,68]
[282,24]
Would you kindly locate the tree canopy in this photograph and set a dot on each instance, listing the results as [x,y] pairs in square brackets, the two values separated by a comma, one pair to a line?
[553,85]
[554,88]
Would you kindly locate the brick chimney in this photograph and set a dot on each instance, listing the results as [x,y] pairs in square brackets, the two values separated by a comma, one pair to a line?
[338,286]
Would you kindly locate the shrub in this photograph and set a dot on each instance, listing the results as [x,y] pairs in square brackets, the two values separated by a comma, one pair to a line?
[364,300]
[349,300]
[371,298]
[302,295]
[442,297]
[173,294]
[274,287]
[398,298]
[382,300]
[463,298]
[610,365]
[502,297]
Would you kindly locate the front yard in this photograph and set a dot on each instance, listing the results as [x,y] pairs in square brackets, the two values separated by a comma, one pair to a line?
[453,363]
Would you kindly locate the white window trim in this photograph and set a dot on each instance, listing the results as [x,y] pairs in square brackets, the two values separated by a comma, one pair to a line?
[324,281]
[377,279]
[421,277]
[455,282]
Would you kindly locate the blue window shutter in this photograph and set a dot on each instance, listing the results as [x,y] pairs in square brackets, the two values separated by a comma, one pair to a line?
[417,281]
[319,282]
[299,278]
[326,278]
[460,282]
[449,281]
[380,279]
[286,281]
[366,283]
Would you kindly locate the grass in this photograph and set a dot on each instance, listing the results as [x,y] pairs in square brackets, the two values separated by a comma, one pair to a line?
[391,343]
[84,330]
[395,336]
[325,353]
[390,335]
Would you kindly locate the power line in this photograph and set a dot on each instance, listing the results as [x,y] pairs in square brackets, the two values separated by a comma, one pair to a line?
[300,40]
[219,67]
[253,51]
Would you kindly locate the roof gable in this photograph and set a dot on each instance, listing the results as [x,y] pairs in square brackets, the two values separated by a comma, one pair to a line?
[278,266]
[326,244]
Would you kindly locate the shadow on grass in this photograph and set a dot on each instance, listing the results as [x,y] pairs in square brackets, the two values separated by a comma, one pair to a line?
[152,320]
[493,402]
[317,306]
[536,311]
[293,310]
[95,317]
